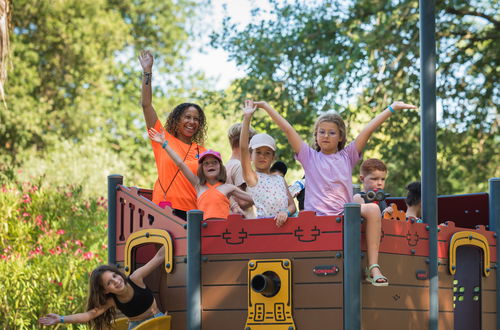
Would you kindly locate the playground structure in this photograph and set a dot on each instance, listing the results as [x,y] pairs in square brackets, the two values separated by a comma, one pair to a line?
[248,274]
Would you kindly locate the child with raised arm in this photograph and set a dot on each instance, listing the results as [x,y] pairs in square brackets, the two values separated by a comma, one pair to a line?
[328,169]
[211,188]
[110,289]
[270,192]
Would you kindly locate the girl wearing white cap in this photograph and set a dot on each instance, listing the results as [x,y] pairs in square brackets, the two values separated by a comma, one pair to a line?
[328,169]
[210,184]
[270,192]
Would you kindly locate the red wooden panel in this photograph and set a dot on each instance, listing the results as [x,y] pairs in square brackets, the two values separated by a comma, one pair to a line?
[303,233]
[135,212]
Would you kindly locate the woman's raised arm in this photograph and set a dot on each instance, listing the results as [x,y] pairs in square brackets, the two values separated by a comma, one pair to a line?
[146,60]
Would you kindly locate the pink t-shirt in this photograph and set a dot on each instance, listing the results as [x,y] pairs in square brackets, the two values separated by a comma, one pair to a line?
[329,178]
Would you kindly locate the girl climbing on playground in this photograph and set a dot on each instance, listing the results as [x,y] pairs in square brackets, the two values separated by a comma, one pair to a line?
[269,192]
[110,289]
[328,169]
[185,131]
[210,184]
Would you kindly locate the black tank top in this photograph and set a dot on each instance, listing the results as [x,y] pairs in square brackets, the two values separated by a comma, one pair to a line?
[140,302]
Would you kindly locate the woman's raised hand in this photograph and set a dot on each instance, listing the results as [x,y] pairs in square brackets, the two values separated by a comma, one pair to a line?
[156,136]
[249,108]
[398,105]
[50,319]
[146,60]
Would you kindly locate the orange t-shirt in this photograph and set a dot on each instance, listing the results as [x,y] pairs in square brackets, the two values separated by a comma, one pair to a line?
[213,203]
[181,192]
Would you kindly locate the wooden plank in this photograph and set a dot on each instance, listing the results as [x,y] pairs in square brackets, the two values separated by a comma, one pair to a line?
[399,297]
[224,297]
[311,319]
[232,269]
[174,299]
[320,295]
[490,282]
[219,320]
[402,319]
[489,321]
[489,301]
[179,320]
[402,270]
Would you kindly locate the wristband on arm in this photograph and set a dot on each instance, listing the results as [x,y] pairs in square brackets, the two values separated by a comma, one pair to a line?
[61,319]
[391,109]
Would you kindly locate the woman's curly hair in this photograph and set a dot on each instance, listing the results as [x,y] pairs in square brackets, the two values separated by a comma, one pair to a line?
[175,116]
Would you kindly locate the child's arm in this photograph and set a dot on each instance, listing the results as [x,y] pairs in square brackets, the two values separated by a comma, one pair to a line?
[140,273]
[52,319]
[146,60]
[292,135]
[160,138]
[249,174]
[365,134]
[240,194]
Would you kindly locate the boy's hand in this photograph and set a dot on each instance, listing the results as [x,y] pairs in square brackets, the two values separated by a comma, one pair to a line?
[398,105]
[249,108]
[155,136]
[146,60]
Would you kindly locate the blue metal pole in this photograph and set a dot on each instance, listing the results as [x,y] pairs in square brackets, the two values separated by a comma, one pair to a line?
[113,181]
[352,266]
[494,206]
[428,145]
[194,219]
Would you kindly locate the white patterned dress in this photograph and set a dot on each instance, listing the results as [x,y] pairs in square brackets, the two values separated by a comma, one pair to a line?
[269,195]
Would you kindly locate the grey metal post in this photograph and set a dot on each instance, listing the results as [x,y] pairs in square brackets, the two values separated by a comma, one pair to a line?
[113,181]
[494,206]
[428,145]
[194,219]
[352,266]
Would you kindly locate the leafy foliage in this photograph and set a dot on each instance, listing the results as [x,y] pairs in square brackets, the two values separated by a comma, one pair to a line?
[49,242]
[356,57]
[75,80]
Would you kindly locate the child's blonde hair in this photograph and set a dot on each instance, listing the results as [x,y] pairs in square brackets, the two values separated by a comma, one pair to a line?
[330,117]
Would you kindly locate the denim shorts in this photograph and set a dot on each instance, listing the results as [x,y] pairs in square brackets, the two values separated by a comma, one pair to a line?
[133,324]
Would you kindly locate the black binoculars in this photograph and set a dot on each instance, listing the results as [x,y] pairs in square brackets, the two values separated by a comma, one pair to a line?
[374,195]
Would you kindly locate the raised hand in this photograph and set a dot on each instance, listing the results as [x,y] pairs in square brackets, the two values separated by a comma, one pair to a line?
[156,136]
[49,319]
[249,108]
[398,105]
[146,60]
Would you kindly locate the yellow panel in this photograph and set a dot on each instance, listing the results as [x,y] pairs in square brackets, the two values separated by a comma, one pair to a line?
[149,236]
[270,305]
[462,238]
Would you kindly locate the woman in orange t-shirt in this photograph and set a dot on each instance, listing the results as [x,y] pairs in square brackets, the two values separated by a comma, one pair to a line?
[185,131]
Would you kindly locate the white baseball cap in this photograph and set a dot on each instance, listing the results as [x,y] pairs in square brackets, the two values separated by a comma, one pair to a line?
[262,140]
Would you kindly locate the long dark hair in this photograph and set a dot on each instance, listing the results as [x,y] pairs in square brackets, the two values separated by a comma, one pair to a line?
[98,298]
[175,116]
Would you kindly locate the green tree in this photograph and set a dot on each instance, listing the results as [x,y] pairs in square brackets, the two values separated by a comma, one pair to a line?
[356,57]
[75,78]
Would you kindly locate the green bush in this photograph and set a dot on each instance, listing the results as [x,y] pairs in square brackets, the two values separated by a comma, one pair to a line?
[50,240]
